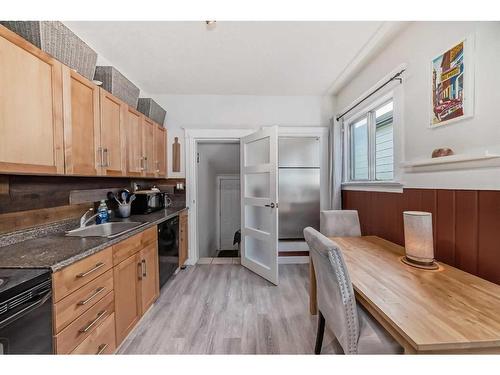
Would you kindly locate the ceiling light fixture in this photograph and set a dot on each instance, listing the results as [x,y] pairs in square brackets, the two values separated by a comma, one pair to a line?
[211,24]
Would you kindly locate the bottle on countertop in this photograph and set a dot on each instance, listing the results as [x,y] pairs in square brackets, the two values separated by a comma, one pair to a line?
[103,214]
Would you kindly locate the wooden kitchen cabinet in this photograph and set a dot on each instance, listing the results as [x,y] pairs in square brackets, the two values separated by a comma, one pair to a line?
[150,284]
[99,299]
[113,138]
[94,139]
[183,237]
[127,276]
[148,144]
[133,140]
[100,341]
[54,121]
[136,280]
[160,151]
[73,277]
[82,125]
[31,114]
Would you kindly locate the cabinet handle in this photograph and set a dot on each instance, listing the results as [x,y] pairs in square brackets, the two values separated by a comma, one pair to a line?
[142,163]
[101,348]
[157,166]
[93,322]
[96,293]
[101,157]
[146,163]
[144,268]
[96,267]
[139,268]
[106,158]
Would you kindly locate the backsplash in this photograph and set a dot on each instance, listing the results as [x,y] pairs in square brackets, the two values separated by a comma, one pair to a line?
[31,201]
[22,193]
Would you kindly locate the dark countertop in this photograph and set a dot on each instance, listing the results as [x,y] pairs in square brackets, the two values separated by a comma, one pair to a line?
[58,250]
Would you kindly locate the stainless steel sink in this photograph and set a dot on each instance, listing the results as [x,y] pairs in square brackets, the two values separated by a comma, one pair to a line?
[109,230]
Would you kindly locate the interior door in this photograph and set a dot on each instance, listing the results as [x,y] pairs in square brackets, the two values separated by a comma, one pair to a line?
[259,203]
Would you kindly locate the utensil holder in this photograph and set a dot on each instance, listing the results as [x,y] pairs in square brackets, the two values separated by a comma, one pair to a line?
[124,210]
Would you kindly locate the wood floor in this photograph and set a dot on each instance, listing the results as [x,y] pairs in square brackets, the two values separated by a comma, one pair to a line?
[227,309]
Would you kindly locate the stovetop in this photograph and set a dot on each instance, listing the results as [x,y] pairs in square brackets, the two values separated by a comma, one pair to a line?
[15,280]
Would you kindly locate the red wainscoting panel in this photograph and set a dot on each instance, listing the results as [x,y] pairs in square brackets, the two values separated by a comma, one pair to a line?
[488,262]
[466,223]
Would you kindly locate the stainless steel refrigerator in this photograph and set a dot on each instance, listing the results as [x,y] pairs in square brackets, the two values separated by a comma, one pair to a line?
[299,185]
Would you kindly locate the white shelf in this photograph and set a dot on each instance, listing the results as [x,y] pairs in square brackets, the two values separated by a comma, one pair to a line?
[450,159]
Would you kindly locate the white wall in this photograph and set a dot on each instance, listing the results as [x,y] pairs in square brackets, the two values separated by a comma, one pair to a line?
[415,47]
[239,111]
[215,159]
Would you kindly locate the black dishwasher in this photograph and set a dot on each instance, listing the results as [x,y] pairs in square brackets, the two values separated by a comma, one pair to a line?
[168,248]
[25,311]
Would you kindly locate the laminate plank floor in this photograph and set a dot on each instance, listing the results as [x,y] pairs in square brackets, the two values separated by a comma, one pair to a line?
[227,309]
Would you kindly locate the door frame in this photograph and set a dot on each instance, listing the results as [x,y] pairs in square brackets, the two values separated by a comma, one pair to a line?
[218,180]
[191,139]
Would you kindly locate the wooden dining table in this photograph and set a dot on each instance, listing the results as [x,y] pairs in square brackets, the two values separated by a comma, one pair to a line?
[443,311]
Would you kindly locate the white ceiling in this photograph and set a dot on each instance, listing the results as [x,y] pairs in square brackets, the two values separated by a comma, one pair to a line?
[251,58]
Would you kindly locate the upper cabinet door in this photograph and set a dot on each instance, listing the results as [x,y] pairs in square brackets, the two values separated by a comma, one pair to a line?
[113,146]
[148,152]
[82,150]
[160,151]
[31,123]
[133,134]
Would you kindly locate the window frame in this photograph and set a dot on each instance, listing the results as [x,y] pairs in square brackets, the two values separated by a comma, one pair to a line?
[368,112]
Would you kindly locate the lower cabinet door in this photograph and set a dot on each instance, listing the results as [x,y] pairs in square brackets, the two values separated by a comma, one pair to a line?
[127,278]
[150,286]
[183,238]
[100,341]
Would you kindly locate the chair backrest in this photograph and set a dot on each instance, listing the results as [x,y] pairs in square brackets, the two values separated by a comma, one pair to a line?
[335,295]
[340,223]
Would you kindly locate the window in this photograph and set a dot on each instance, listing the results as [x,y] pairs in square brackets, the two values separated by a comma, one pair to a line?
[371,144]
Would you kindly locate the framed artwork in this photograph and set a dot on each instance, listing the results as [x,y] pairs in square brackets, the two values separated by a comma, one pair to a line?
[452,84]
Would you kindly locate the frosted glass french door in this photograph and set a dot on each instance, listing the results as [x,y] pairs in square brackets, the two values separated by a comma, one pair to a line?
[259,203]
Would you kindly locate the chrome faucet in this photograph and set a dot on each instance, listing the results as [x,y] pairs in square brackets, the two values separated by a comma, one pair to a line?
[84,220]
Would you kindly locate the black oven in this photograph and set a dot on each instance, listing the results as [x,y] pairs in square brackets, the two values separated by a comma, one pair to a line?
[168,248]
[25,311]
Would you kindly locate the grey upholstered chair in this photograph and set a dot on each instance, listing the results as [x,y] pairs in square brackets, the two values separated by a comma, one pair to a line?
[355,329]
[340,223]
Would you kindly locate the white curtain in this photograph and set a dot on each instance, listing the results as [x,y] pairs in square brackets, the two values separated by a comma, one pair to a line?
[335,164]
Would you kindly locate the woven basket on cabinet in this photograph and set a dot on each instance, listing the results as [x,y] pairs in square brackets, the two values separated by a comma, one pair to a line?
[58,41]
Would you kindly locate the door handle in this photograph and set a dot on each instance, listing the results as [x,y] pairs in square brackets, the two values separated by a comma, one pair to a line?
[106,158]
[272,205]
[139,269]
[101,156]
